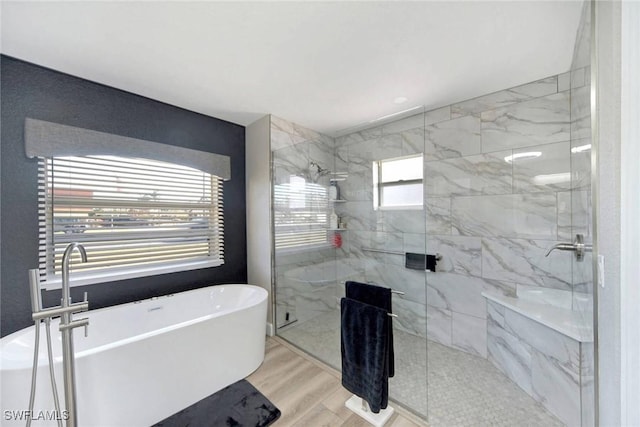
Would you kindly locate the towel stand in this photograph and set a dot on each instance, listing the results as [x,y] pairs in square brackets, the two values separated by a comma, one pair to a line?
[361,407]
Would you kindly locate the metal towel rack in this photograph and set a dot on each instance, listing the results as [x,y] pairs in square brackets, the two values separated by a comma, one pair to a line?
[382,251]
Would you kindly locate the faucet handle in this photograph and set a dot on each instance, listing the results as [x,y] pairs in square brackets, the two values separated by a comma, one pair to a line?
[36,292]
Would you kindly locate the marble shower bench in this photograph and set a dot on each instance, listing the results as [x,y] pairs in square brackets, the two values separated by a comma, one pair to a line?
[544,345]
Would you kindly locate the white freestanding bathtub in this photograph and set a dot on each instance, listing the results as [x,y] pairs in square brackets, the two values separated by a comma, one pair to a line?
[142,361]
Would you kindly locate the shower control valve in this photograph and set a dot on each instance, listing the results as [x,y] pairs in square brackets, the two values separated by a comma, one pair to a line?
[578,246]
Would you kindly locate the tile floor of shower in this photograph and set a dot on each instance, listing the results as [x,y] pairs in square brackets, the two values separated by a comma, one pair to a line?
[462,390]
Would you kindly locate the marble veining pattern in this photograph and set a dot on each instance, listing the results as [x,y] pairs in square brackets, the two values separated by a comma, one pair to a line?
[438,215]
[510,355]
[523,261]
[557,388]
[460,254]
[453,138]
[469,334]
[359,136]
[469,175]
[543,362]
[413,141]
[439,325]
[457,293]
[521,215]
[506,97]
[538,121]
[581,112]
[405,221]
[412,317]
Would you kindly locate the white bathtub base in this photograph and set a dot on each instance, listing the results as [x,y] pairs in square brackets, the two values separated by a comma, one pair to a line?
[143,362]
[356,404]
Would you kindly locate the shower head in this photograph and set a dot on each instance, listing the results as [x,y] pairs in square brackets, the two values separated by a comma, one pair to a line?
[320,171]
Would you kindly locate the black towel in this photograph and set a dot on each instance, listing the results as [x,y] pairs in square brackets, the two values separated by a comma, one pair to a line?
[364,343]
[377,296]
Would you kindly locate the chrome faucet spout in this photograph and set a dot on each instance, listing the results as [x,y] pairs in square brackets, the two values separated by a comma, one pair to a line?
[562,247]
[65,269]
[579,247]
[67,324]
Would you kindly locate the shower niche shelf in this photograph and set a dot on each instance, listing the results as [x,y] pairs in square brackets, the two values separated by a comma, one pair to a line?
[338,176]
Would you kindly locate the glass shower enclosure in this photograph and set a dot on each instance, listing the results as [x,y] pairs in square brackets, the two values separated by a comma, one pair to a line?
[501,331]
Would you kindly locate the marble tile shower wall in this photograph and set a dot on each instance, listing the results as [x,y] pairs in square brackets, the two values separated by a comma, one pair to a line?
[499,191]
[295,151]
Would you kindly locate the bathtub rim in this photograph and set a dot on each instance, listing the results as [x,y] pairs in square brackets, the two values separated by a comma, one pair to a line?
[10,365]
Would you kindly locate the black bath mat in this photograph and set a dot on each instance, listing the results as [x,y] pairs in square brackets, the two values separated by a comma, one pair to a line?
[238,405]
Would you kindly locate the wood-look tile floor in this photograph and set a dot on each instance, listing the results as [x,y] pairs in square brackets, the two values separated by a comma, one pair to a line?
[308,393]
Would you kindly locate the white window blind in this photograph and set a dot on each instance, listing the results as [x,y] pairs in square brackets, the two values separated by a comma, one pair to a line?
[300,214]
[135,217]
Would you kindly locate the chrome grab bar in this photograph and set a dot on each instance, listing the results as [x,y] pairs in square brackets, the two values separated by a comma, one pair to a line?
[578,246]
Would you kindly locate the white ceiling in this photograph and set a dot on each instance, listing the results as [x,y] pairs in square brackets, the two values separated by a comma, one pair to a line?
[325,65]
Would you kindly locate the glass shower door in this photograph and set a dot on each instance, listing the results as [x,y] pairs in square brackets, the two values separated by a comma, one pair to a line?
[306,287]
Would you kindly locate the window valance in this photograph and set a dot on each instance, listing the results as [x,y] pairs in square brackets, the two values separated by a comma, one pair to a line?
[46,139]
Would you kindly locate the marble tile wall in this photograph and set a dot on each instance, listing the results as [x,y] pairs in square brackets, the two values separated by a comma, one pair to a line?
[295,151]
[500,188]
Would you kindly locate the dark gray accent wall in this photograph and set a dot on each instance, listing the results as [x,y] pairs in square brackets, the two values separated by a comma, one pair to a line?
[29,90]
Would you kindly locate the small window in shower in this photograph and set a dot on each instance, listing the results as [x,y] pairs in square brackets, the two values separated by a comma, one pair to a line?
[397,183]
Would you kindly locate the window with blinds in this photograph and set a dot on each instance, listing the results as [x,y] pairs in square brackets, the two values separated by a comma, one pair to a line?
[300,214]
[135,217]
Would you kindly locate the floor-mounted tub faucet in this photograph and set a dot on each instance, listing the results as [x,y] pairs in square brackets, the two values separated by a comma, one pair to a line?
[67,324]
